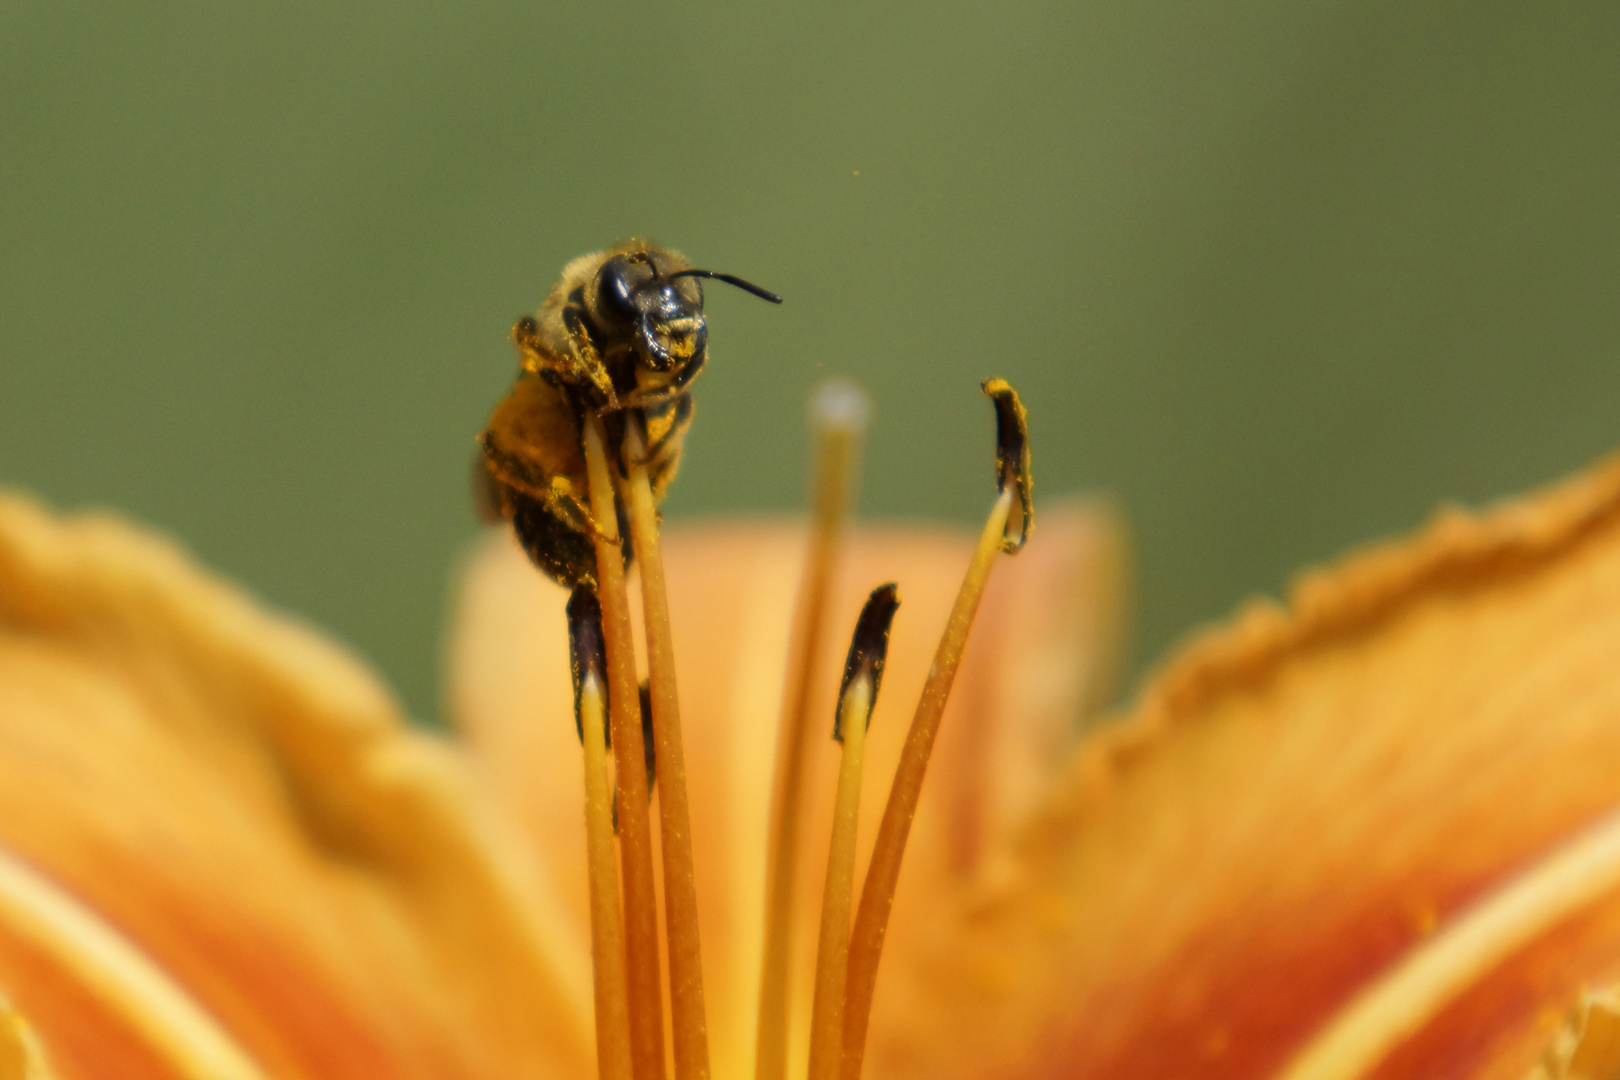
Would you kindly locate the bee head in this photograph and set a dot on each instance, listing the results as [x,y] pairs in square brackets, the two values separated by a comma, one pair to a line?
[659,311]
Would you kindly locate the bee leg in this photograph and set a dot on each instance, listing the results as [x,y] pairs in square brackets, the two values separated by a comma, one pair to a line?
[581,365]
[586,363]
[662,471]
[658,395]
[671,438]
[568,508]
[694,367]
[537,357]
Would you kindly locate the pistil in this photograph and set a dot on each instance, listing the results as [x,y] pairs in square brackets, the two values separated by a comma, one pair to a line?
[624,712]
[1005,529]
[687,1013]
[838,413]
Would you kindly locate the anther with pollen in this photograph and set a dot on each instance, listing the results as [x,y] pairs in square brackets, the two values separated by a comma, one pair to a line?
[1007,528]
[588,661]
[863,674]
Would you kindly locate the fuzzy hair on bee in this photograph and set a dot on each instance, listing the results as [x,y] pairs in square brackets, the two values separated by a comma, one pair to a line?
[622,332]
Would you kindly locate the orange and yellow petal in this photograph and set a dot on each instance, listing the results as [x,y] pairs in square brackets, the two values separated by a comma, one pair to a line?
[221,848]
[1369,835]
[1372,835]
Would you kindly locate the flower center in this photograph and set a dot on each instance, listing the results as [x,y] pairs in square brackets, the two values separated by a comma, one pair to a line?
[645,743]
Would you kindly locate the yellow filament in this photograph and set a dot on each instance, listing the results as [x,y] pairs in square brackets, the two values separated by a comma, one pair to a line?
[832,949]
[839,414]
[624,701]
[877,895]
[687,1014]
[120,974]
[1397,1005]
[607,932]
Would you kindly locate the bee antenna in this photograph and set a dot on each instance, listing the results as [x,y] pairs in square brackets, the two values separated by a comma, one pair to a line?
[730,279]
[644,257]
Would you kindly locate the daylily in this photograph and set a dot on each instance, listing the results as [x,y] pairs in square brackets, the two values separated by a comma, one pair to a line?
[1368,834]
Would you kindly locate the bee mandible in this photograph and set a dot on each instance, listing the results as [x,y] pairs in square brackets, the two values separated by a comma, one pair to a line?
[622,330]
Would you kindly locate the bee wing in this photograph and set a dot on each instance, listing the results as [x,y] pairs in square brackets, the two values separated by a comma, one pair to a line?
[486,491]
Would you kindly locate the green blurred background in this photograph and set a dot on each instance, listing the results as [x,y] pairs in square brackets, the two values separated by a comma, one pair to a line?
[1279,276]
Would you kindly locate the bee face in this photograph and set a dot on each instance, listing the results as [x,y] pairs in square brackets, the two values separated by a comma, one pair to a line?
[622,334]
[658,314]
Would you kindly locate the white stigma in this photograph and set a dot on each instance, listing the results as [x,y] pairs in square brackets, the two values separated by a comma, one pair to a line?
[840,405]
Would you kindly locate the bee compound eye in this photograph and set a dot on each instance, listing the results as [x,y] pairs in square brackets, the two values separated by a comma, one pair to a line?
[613,286]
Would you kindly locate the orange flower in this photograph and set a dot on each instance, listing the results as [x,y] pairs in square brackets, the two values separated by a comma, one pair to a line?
[1041,656]
[1369,836]
[224,854]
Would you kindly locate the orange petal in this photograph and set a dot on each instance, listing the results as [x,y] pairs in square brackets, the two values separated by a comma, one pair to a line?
[223,853]
[1040,658]
[1368,836]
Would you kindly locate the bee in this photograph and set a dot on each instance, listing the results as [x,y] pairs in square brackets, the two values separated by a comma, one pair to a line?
[622,331]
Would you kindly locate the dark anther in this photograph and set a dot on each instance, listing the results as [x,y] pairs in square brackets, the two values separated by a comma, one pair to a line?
[1012,461]
[868,647]
[585,652]
[730,279]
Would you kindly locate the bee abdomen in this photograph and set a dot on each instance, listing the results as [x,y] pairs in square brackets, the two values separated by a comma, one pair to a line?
[563,553]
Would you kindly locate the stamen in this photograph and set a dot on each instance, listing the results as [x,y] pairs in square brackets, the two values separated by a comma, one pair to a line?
[687,1014]
[607,932]
[838,412]
[624,699]
[863,674]
[1006,529]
